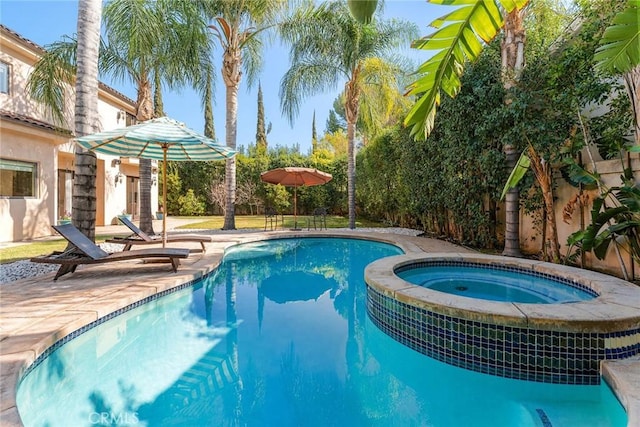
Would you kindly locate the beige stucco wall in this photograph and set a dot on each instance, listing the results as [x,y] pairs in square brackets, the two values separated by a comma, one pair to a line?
[29,217]
[610,171]
[21,60]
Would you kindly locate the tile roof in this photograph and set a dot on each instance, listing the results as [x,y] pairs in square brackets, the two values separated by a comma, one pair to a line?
[40,50]
[8,115]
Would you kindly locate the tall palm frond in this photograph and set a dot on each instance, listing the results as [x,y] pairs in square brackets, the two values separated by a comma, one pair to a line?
[326,46]
[55,71]
[619,49]
[237,26]
[381,101]
[303,79]
[459,38]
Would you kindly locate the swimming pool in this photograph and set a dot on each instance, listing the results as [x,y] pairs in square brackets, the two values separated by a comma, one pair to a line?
[231,349]
[491,282]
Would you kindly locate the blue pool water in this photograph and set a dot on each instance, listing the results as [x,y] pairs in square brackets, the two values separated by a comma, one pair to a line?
[494,284]
[279,336]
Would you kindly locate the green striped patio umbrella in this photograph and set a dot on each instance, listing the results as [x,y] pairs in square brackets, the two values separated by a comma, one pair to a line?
[158,139]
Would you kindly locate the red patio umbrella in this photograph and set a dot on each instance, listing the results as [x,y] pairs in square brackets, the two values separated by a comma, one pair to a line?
[295,177]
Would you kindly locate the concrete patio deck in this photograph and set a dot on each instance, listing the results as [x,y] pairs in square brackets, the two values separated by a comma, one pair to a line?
[37,312]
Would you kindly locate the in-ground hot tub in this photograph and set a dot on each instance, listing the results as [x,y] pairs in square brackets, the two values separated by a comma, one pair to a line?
[495,283]
[562,342]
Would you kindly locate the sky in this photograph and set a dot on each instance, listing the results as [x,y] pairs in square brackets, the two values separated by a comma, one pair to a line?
[46,21]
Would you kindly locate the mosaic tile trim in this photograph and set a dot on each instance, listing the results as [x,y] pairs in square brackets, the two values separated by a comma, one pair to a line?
[513,352]
[85,328]
[513,269]
[544,419]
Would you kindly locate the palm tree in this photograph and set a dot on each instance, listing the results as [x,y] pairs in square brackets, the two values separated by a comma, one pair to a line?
[381,102]
[329,46]
[86,115]
[238,25]
[146,37]
[143,38]
[45,85]
[512,55]
[459,38]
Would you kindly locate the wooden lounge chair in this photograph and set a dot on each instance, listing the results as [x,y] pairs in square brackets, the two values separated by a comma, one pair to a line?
[139,237]
[87,252]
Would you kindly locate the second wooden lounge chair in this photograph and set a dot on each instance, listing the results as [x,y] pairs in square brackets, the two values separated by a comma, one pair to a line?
[139,237]
[87,252]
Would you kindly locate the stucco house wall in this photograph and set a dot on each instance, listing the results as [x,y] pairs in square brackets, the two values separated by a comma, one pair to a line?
[29,134]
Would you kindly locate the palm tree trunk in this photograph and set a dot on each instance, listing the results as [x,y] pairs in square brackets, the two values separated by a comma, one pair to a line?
[209,127]
[86,115]
[145,112]
[512,53]
[351,174]
[231,74]
[352,100]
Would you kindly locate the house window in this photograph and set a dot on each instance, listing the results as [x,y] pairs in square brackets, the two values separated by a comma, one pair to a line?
[17,179]
[4,77]
[131,120]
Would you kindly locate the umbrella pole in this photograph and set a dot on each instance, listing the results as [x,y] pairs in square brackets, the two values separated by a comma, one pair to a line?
[164,195]
[295,207]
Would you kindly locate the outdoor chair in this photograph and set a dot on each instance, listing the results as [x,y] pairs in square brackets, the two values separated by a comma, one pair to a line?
[270,217]
[319,219]
[139,237]
[87,252]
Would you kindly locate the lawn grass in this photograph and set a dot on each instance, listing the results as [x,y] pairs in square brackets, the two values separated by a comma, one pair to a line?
[42,247]
[257,221]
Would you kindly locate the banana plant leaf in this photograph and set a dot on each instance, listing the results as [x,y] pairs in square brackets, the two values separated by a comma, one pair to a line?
[459,38]
[612,223]
[517,173]
[618,51]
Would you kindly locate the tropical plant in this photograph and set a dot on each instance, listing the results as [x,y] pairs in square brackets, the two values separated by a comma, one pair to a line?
[543,173]
[362,10]
[47,84]
[459,38]
[615,216]
[619,54]
[382,104]
[545,104]
[327,46]
[238,25]
[146,37]
[142,38]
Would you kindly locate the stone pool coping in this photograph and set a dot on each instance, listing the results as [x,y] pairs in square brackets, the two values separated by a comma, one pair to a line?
[35,313]
[617,307]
